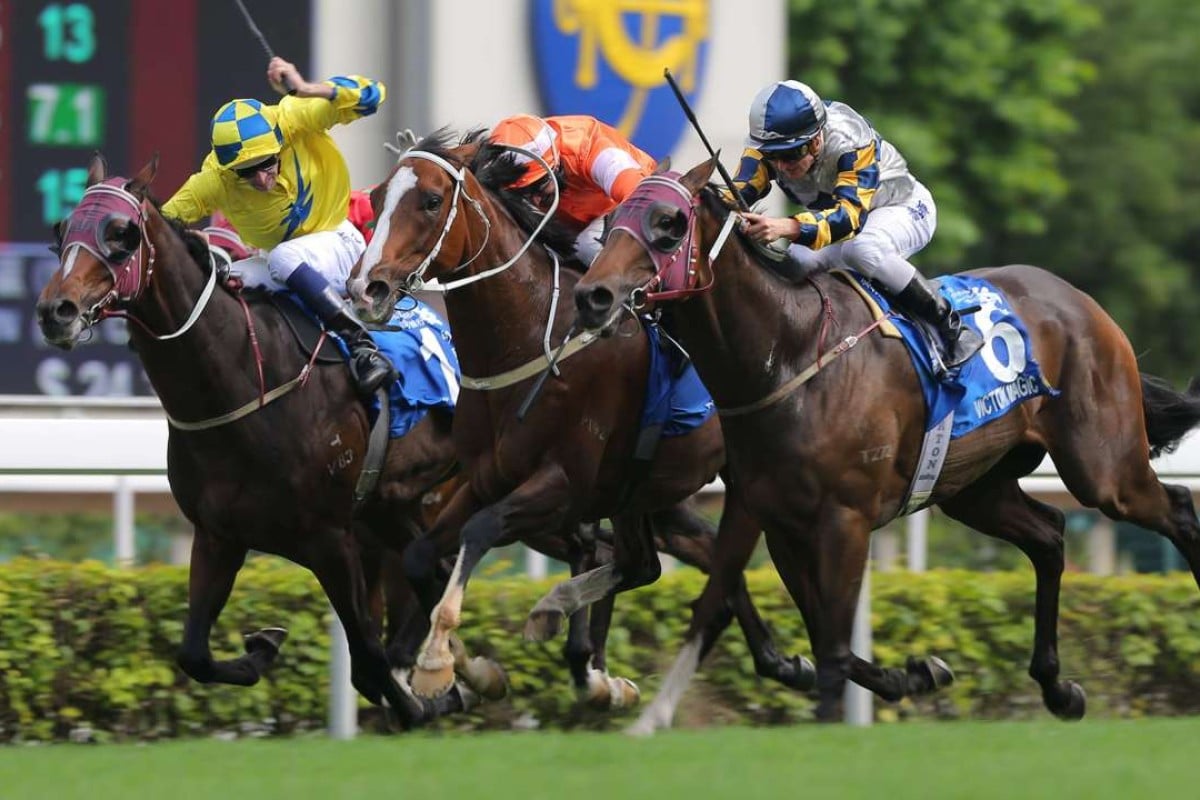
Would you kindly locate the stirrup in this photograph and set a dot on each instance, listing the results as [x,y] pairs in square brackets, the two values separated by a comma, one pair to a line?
[370,369]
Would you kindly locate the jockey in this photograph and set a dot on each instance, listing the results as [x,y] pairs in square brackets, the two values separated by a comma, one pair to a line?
[275,172]
[594,166]
[861,207]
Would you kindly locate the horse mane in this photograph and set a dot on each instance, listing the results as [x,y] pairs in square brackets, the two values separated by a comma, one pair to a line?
[196,246]
[495,168]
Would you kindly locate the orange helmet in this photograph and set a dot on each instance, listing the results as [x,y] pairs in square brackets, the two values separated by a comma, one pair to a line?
[529,133]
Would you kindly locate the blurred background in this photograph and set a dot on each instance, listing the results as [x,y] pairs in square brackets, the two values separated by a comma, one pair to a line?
[1053,132]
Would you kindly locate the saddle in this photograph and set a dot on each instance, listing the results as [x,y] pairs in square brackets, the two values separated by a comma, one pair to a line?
[305,329]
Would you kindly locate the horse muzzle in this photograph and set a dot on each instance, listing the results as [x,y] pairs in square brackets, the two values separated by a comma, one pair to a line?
[375,303]
[61,322]
[597,308]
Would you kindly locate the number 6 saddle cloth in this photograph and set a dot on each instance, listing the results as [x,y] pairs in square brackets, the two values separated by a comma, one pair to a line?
[1002,375]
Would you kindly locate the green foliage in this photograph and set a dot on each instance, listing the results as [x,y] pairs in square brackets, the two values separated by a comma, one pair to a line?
[971,92]
[88,647]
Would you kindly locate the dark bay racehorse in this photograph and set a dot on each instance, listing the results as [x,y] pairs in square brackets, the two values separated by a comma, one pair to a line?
[569,458]
[822,463]
[277,477]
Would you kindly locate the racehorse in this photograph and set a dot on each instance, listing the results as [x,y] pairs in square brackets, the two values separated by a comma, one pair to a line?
[822,450]
[565,457]
[277,474]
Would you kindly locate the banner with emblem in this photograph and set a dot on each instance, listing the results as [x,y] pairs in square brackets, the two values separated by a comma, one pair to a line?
[606,58]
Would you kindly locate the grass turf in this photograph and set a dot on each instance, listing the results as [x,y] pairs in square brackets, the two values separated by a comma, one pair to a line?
[976,760]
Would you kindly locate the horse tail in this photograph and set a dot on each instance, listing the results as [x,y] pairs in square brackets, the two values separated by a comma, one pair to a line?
[1169,414]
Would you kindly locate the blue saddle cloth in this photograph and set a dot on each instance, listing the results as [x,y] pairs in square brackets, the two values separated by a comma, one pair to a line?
[418,343]
[997,379]
[676,400]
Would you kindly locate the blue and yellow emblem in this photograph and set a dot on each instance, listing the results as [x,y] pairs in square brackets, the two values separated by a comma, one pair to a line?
[606,58]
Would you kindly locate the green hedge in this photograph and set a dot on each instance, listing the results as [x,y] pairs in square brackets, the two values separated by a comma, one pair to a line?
[86,650]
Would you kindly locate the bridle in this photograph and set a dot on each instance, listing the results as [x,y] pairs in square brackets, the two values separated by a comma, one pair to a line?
[416,279]
[676,260]
[131,272]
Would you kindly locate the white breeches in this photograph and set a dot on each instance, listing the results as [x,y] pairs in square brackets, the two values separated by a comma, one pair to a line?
[880,250]
[331,253]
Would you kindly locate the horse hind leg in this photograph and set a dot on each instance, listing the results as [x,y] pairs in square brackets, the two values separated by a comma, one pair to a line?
[1001,509]
[214,566]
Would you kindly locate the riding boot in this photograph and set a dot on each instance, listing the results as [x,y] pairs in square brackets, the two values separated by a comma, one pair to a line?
[369,367]
[921,299]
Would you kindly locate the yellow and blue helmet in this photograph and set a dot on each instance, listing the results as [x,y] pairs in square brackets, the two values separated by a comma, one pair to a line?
[245,131]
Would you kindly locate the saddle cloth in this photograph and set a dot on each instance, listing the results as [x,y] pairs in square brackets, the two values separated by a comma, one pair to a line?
[418,343]
[676,400]
[1001,376]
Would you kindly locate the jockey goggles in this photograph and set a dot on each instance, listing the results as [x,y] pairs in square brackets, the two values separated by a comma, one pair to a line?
[248,172]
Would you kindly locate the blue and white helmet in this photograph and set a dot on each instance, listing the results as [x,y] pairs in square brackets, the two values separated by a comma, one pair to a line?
[784,115]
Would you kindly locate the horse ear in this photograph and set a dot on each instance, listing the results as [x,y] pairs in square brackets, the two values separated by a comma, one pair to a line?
[97,169]
[663,166]
[698,176]
[141,182]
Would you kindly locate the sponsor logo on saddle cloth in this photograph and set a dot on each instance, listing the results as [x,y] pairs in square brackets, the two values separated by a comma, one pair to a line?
[608,56]
[998,378]
[418,343]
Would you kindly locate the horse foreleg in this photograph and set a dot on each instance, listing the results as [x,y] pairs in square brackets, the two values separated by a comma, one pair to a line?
[726,551]
[537,504]
[214,566]
[736,539]
[1004,511]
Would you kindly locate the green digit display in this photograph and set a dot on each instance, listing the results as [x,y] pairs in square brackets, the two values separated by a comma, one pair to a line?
[61,191]
[65,114]
[70,32]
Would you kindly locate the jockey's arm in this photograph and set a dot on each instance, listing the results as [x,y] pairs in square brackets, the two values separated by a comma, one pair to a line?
[195,199]
[753,179]
[616,172]
[341,99]
[858,178]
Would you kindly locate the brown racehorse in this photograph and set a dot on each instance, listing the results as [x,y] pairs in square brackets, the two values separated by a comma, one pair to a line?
[823,463]
[569,458]
[279,479]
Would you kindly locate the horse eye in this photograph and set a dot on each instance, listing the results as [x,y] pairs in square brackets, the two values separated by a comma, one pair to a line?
[432,202]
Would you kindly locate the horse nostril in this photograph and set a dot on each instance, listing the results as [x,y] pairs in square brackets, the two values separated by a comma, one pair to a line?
[377,292]
[57,312]
[595,300]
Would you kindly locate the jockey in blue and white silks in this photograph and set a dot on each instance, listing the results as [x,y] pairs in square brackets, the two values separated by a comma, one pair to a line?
[861,207]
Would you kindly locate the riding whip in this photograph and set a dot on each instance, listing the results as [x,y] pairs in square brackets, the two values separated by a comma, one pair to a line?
[261,40]
[687,110]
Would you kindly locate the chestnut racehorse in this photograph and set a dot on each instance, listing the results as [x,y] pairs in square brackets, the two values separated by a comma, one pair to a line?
[822,462]
[569,458]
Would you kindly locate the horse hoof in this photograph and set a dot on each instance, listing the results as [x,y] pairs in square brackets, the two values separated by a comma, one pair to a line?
[931,674]
[430,683]
[486,677]
[543,625]
[625,693]
[803,675]
[268,639]
[644,728]
[1076,703]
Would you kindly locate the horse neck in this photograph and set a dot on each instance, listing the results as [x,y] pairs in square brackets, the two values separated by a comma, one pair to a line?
[747,327]
[500,321]
[188,373]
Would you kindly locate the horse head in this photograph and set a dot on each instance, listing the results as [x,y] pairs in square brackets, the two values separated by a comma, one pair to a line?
[105,258]
[651,250]
[428,224]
